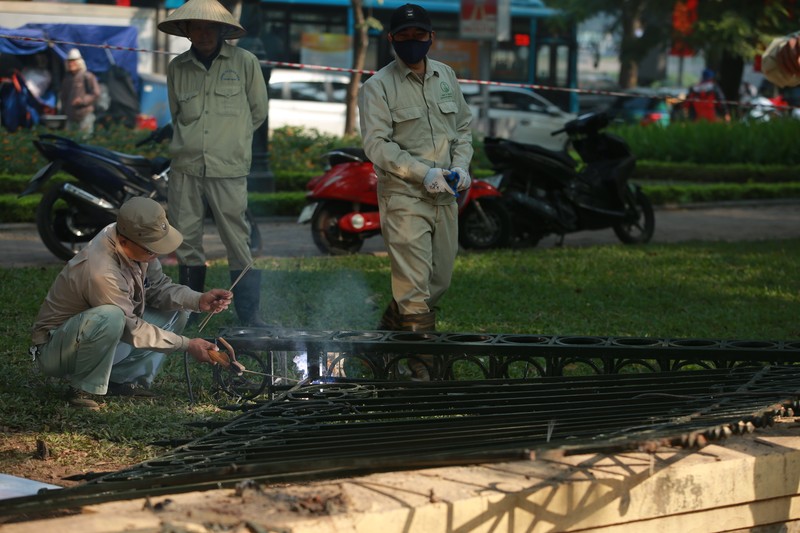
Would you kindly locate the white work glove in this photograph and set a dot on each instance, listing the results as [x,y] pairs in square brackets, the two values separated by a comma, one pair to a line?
[464,181]
[435,181]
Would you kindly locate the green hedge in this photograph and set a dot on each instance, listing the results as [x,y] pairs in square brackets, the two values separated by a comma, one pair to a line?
[13,209]
[716,143]
[290,203]
[295,150]
[720,192]
[684,162]
[658,171]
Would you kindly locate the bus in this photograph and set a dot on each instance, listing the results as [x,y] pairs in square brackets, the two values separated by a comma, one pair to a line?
[539,47]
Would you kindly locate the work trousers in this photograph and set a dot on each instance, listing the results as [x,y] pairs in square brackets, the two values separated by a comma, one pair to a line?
[86,349]
[227,199]
[422,241]
[85,125]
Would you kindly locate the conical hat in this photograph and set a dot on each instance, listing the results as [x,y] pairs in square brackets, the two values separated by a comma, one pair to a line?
[207,10]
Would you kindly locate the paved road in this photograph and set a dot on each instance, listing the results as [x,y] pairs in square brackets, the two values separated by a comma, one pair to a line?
[20,245]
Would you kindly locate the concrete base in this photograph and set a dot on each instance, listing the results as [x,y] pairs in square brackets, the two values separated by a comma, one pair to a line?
[747,483]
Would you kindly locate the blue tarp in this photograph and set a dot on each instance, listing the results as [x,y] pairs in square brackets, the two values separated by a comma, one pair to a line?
[97,59]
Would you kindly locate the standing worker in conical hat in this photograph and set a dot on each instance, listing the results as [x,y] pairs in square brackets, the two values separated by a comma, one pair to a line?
[218,98]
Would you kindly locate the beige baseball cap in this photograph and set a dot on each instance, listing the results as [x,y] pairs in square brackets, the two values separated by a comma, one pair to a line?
[206,10]
[144,221]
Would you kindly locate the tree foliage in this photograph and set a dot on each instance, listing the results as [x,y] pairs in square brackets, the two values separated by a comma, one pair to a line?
[639,23]
[727,33]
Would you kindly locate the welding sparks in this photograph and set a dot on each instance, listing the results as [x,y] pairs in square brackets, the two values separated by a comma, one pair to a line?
[301,364]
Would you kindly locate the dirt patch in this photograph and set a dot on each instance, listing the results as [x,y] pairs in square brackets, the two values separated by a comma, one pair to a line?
[24,455]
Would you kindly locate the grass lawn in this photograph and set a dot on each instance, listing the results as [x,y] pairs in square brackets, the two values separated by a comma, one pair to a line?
[707,290]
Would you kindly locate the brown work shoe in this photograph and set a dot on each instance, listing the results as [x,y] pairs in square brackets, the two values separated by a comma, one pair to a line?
[82,400]
[419,370]
[130,390]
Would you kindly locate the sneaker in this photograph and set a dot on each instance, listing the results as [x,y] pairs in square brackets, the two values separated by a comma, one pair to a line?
[82,400]
[129,389]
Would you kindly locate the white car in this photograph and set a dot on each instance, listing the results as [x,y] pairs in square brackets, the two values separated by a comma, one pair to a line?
[314,99]
[310,99]
[518,114]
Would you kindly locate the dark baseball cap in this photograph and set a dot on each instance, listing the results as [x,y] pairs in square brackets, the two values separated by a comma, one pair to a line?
[410,16]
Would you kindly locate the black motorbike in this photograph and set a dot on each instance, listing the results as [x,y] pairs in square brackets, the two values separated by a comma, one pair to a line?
[550,192]
[72,212]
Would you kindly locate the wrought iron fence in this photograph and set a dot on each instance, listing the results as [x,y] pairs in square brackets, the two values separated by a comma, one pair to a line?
[284,357]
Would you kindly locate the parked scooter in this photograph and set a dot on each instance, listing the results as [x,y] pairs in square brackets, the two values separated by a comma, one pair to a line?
[71,213]
[343,207]
[549,192]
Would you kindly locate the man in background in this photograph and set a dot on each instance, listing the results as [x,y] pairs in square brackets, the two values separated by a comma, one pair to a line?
[706,101]
[79,92]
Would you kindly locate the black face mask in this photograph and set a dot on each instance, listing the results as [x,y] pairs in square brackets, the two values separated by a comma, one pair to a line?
[412,52]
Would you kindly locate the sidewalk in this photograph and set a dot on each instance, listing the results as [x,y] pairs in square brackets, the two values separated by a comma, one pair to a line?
[20,244]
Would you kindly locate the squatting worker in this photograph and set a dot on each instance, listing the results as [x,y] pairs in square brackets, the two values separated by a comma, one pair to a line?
[416,129]
[780,63]
[112,315]
[218,98]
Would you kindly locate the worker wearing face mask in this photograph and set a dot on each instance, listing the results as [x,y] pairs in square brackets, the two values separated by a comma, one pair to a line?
[416,129]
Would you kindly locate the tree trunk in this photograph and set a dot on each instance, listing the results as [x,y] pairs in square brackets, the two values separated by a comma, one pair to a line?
[628,56]
[730,78]
[360,43]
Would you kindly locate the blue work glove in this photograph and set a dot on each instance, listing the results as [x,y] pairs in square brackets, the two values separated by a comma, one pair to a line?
[464,181]
[435,181]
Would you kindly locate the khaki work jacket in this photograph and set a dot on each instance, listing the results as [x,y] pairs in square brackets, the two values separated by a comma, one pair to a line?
[102,274]
[411,125]
[215,112]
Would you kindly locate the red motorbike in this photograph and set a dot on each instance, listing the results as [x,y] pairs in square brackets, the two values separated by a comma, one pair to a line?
[343,207]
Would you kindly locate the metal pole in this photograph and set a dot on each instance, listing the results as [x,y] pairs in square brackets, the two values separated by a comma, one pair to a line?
[261,178]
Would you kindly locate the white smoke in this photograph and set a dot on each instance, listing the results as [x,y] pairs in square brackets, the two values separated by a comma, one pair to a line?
[301,364]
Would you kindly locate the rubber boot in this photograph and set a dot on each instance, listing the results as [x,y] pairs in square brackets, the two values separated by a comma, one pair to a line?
[247,298]
[421,366]
[193,277]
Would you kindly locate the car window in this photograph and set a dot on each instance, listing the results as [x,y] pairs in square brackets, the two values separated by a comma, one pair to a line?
[312,91]
[524,102]
[338,92]
[632,102]
[275,91]
[496,102]
[508,101]
[473,99]
[309,91]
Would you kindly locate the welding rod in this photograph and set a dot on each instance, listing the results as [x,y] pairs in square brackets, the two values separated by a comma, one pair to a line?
[211,313]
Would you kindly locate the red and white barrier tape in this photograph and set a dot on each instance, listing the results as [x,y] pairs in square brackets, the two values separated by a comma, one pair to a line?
[677,100]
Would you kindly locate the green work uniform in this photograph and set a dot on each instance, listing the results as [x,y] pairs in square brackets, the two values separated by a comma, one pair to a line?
[410,125]
[215,111]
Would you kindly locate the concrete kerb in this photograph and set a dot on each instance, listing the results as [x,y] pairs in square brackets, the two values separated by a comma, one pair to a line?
[745,483]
